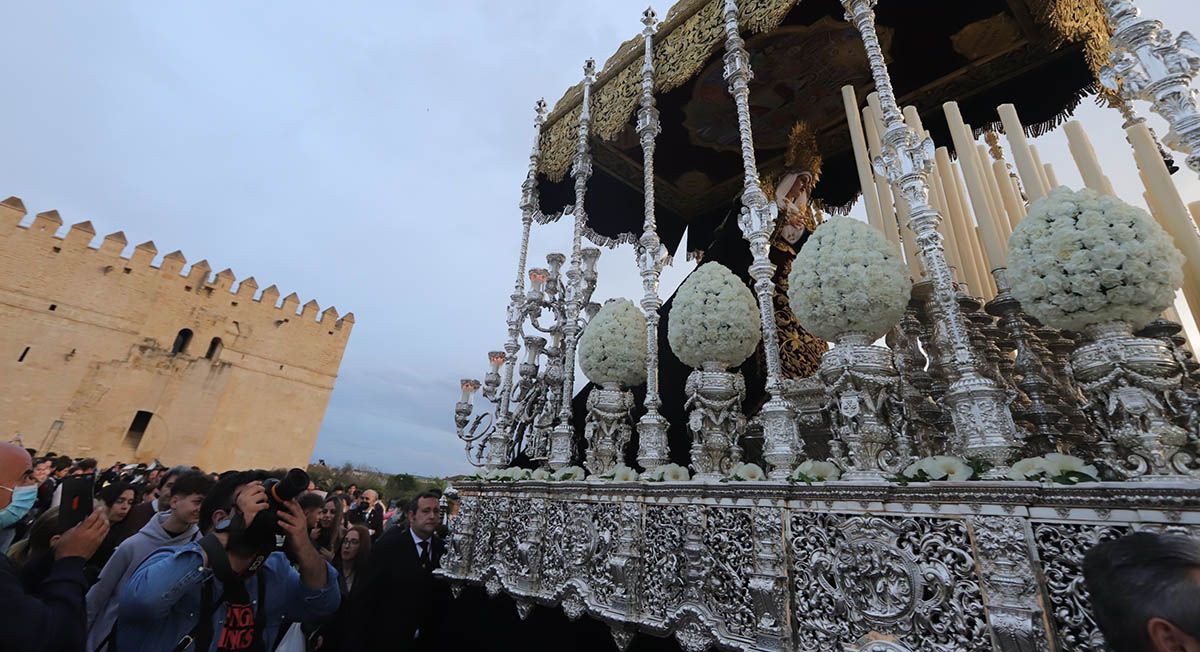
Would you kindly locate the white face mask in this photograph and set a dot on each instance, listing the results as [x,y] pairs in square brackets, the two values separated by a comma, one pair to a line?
[23,499]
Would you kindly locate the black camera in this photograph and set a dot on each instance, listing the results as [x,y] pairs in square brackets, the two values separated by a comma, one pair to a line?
[280,491]
[264,532]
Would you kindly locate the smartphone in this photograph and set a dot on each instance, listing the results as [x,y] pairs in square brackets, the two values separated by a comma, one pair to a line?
[76,503]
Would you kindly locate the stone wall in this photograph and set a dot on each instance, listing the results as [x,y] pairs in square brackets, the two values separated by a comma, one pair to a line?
[88,339]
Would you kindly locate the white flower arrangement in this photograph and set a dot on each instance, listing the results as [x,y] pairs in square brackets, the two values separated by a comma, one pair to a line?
[511,474]
[1081,258]
[669,473]
[746,472]
[714,318]
[621,473]
[847,278]
[568,473]
[612,348]
[811,471]
[1055,467]
[938,467]
[540,474]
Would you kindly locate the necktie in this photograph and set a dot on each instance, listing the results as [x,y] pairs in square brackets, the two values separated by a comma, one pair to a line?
[425,554]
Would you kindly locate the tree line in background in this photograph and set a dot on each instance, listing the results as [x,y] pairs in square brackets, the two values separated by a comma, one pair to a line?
[391,486]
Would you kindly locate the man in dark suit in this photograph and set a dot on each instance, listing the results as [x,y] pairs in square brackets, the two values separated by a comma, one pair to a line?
[398,604]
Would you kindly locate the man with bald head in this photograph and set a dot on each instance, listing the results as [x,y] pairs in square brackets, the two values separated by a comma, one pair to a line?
[53,617]
[369,512]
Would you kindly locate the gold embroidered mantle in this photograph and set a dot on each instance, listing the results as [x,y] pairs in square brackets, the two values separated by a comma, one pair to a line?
[693,30]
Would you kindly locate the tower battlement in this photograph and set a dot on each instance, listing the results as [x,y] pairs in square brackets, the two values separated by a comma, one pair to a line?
[82,236]
[99,314]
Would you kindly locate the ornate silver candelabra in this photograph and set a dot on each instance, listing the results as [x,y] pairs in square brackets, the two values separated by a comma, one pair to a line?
[977,404]
[524,414]
[651,257]
[560,441]
[781,440]
[1149,63]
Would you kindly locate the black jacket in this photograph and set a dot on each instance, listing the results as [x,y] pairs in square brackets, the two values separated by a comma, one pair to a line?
[397,597]
[372,518]
[52,616]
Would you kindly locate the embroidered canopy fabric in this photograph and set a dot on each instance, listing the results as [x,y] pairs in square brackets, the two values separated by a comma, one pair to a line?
[1040,55]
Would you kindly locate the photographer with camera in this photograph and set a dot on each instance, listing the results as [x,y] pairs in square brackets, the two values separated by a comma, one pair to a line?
[232,589]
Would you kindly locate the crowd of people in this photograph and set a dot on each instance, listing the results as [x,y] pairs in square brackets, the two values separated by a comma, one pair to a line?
[181,560]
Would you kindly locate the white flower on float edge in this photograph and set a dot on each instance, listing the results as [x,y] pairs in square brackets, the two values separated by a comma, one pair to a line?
[540,474]
[569,473]
[612,347]
[621,473]
[1055,467]
[1080,258]
[669,473]
[847,277]
[1029,468]
[714,318]
[1057,464]
[746,471]
[939,467]
[816,471]
[511,474]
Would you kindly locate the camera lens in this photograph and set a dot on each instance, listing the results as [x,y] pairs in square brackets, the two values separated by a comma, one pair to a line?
[293,484]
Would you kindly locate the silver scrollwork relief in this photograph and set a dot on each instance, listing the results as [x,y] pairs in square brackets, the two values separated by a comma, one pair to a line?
[912,577]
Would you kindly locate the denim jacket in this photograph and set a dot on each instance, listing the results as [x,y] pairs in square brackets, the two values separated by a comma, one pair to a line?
[161,602]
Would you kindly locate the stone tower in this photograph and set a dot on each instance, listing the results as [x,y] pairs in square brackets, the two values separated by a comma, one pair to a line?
[113,358]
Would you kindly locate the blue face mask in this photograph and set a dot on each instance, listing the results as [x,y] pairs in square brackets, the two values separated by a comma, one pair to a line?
[23,499]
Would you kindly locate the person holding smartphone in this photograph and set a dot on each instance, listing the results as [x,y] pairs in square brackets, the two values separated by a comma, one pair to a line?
[52,617]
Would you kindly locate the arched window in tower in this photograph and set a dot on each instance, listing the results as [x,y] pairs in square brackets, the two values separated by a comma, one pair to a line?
[182,340]
[137,428]
[214,349]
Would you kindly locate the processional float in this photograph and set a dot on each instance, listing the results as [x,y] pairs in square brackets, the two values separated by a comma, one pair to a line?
[1034,397]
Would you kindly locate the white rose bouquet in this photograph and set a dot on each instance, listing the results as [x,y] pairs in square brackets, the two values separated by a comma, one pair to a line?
[669,473]
[1055,467]
[540,474]
[612,348]
[714,318]
[847,277]
[1081,258]
[938,467]
[746,472]
[811,471]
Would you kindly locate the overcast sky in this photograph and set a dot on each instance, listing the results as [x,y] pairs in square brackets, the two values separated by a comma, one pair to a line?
[366,155]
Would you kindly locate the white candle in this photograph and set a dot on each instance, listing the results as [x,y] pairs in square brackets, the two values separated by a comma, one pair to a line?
[1006,224]
[1086,160]
[1050,176]
[1037,162]
[1172,214]
[976,189]
[1026,167]
[1012,202]
[862,160]
[965,242]
[887,210]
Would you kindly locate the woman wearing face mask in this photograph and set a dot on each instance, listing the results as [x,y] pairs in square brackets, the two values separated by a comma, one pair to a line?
[20,500]
[49,616]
